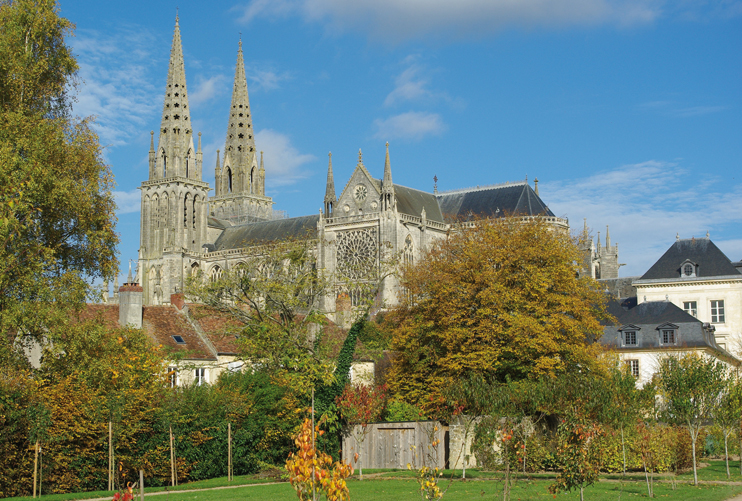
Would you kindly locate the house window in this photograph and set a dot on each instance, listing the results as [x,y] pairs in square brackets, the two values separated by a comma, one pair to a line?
[235,366]
[668,336]
[630,338]
[717,311]
[179,339]
[691,308]
[688,270]
[200,376]
[633,367]
[172,376]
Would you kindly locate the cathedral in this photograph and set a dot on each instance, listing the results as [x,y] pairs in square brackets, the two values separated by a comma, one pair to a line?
[186,227]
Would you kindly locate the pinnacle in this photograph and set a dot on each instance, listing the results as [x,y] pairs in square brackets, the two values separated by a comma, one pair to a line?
[330,189]
[387,181]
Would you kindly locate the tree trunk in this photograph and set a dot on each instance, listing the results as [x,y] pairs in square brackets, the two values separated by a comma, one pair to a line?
[646,476]
[726,453]
[623,448]
[582,494]
[693,438]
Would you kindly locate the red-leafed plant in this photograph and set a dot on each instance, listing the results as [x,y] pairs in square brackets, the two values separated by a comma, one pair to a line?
[359,405]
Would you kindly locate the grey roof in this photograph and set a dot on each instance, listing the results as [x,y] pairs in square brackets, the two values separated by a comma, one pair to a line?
[498,201]
[647,318]
[264,232]
[738,265]
[411,201]
[710,261]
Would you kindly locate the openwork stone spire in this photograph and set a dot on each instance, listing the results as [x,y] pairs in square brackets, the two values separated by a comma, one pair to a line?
[239,153]
[387,187]
[330,198]
[175,155]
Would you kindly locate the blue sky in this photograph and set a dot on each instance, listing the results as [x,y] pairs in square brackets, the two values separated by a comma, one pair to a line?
[627,111]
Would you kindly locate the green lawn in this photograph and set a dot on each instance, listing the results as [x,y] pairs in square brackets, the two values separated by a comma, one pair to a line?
[398,484]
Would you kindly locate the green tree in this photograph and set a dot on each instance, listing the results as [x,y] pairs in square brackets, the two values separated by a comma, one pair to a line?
[690,386]
[728,412]
[56,207]
[499,298]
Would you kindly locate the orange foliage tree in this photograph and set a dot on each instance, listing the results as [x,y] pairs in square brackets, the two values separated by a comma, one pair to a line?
[309,469]
[359,405]
[498,298]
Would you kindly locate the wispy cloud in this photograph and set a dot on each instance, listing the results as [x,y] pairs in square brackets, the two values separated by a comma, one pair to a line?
[646,205]
[209,88]
[266,79]
[675,109]
[127,201]
[283,162]
[396,20]
[410,125]
[414,84]
[116,70]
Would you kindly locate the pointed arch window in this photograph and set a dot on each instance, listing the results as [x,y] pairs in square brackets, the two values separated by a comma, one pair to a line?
[186,200]
[164,164]
[195,199]
[229,179]
[252,176]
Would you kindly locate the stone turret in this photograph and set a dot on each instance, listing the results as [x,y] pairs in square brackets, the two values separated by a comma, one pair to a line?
[130,303]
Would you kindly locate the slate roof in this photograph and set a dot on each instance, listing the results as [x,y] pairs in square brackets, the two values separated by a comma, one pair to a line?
[244,235]
[647,318]
[411,201]
[493,201]
[701,251]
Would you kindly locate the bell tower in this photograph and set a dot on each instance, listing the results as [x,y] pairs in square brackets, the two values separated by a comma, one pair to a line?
[174,198]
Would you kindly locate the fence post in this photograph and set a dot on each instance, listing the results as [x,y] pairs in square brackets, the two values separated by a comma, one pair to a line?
[172,459]
[35,467]
[229,459]
[141,485]
[110,456]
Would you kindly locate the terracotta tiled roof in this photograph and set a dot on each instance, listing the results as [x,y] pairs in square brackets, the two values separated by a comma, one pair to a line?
[161,323]
[219,327]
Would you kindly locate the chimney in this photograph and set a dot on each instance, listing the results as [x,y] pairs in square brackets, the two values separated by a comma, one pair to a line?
[130,303]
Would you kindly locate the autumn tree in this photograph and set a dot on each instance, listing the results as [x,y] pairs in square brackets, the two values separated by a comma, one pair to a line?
[728,412]
[690,386]
[56,207]
[359,405]
[499,298]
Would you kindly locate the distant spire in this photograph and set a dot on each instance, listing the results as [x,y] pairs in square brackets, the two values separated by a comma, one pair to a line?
[217,176]
[599,243]
[607,237]
[199,142]
[584,228]
[535,183]
[151,140]
[240,141]
[330,198]
[387,182]
[129,279]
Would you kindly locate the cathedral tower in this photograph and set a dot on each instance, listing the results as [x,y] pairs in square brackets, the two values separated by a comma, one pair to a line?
[240,181]
[174,198]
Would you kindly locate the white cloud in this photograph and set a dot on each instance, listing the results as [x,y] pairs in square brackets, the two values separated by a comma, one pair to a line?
[410,125]
[413,84]
[646,205]
[674,109]
[395,20]
[208,89]
[283,162]
[116,82]
[266,79]
[127,201]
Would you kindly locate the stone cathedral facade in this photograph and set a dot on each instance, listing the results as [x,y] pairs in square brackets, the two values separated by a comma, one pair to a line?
[187,227]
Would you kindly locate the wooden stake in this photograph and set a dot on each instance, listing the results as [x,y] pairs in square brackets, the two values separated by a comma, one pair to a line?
[141,485]
[41,468]
[172,459]
[229,448]
[35,467]
[110,456]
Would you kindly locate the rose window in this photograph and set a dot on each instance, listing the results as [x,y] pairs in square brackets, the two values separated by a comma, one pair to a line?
[356,253]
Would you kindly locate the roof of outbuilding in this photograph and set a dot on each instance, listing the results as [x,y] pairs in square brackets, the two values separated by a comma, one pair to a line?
[411,201]
[219,327]
[498,201]
[236,237]
[701,251]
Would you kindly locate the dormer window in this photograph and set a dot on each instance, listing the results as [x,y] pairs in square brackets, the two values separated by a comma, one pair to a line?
[179,339]
[688,269]
[629,335]
[668,334]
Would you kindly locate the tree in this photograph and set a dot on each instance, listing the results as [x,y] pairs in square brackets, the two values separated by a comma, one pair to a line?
[690,386]
[728,411]
[360,405]
[56,207]
[499,298]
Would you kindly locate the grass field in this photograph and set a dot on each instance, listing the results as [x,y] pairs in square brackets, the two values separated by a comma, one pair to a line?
[393,485]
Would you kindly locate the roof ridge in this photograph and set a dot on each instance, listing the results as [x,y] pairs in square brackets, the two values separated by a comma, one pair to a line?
[482,187]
